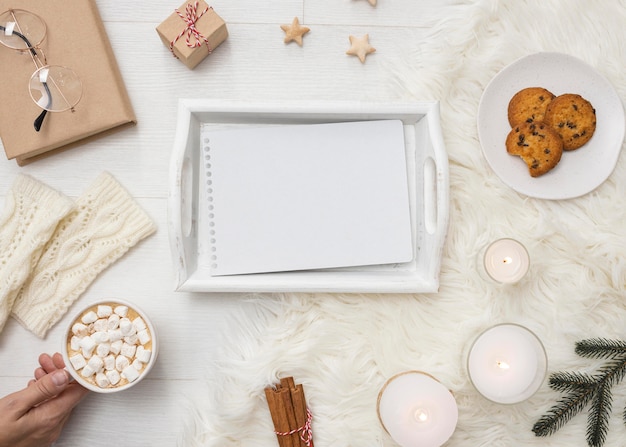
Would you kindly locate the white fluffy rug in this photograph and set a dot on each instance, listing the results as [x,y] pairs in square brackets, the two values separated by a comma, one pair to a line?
[342,348]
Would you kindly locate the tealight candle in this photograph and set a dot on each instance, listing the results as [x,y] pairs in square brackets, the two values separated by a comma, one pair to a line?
[417,410]
[507,363]
[506,261]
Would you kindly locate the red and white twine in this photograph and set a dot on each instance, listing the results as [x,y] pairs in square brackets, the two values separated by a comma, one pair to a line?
[306,432]
[194,38]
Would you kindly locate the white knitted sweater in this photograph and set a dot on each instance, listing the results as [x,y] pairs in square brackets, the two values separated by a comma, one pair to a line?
[31,213]
[104,223]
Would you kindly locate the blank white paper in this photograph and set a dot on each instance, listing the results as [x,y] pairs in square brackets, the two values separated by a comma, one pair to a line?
[301,197]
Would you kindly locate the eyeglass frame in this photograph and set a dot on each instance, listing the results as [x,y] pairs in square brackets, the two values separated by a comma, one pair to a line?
[40,65]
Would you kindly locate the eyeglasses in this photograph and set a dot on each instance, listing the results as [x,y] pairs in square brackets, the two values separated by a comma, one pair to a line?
[54,88]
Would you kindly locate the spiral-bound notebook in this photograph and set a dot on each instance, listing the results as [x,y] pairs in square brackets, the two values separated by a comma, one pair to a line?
[301,197]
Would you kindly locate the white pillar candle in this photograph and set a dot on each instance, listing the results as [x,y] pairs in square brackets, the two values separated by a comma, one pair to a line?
[417,410]
[507,363]
[506,261]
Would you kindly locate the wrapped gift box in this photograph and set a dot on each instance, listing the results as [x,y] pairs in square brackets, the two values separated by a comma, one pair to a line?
[192,32]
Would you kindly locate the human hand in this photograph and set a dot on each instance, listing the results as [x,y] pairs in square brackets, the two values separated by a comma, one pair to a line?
[36,415]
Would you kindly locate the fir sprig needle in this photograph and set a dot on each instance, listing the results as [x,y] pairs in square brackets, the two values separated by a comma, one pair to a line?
[583,389]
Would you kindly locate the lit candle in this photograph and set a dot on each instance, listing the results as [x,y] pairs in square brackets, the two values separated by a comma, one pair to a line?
[506,261]
[507,363]
[417,410]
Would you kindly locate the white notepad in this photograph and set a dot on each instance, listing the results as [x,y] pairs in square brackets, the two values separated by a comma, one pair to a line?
[301,197]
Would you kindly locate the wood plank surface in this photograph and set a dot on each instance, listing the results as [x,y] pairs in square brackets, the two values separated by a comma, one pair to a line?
[253,64]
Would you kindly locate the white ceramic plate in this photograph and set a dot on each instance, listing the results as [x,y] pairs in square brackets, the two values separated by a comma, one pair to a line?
[579,171]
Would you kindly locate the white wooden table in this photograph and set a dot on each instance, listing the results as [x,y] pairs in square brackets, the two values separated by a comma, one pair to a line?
[254,64]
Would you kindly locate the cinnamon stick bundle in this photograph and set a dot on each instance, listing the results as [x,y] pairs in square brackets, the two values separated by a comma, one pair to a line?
[290,415]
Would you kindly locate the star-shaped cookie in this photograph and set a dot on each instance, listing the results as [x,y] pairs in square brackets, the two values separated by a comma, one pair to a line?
[360,47]
[295,31]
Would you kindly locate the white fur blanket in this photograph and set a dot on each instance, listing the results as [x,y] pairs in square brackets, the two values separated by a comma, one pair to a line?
[342,348]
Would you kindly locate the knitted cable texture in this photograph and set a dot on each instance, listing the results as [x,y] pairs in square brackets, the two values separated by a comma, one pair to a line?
[103,225]
[31,213]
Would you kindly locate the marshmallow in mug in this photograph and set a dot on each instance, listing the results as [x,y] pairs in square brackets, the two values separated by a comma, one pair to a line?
[109,345]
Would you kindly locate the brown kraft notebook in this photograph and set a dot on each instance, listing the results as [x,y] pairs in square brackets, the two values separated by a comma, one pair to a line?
[75,38]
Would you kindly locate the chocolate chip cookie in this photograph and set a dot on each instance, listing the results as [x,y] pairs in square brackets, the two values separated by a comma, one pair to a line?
[573,118]
[537,144]
[529,105]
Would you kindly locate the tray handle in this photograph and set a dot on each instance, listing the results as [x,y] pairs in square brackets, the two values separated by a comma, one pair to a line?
[436,192]
[430,196]
[182,197]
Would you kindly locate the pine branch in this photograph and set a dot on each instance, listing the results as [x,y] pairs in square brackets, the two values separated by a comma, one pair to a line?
[584,388]
[571,381]
[599,415]
[613,372]
[561,413]
[601,348]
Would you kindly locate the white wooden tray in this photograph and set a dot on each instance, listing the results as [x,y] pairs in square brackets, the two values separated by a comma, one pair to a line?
[428,192]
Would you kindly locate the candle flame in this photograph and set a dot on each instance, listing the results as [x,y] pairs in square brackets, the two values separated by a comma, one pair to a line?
[421,415]
[502,365]
[507,260]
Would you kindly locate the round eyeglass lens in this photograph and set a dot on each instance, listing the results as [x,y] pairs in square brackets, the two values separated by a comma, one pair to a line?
[55,88]
[21,29]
